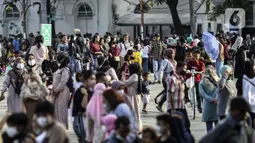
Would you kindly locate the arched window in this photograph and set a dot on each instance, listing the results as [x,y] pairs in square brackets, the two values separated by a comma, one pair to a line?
[11,12]
[85,11]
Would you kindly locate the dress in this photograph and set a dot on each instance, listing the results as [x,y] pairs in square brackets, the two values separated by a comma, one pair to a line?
[61,99]
[132,87]
[14,101]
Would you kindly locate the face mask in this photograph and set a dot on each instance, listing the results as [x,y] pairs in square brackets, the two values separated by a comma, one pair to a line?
[31,62]
[20,66]
[121,92]
[106,108]
[12,132]
[42,121]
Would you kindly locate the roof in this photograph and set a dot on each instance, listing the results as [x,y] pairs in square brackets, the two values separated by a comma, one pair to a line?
[159,15]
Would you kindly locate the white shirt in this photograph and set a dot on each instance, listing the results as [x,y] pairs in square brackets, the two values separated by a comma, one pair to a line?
[124,47]
[249,91]
[145,52]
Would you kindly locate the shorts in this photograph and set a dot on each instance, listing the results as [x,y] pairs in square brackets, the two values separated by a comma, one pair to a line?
[146,98]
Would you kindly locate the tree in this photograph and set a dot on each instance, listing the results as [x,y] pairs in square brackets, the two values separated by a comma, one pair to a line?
[172,4]
[220,8]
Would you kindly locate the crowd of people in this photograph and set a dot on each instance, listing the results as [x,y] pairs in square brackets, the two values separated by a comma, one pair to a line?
[105,80]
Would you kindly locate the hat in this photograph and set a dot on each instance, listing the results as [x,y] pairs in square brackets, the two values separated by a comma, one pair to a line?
[116,85]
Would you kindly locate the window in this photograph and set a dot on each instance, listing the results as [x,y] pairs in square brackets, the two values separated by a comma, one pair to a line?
[11,12]
[85,11]
[249,15]
[219,27]
[199,29]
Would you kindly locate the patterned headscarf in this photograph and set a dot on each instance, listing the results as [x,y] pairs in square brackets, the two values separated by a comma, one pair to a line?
[224,68]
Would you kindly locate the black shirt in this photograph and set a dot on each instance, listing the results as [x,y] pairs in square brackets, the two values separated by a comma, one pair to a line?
[77,100]
[145,87]
[170,139]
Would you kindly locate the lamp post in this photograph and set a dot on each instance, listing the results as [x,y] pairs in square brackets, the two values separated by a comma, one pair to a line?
[142,18]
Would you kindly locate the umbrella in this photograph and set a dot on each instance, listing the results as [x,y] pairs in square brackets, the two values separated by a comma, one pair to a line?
[211,45]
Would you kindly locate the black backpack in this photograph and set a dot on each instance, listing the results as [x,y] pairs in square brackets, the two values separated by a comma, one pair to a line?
[70,82]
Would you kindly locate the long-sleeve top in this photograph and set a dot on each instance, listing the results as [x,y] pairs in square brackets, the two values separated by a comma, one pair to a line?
[227,91]
[62,48]
[40,54]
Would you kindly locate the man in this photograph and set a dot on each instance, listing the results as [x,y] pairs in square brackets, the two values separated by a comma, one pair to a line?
[122,132]
[164,124]
[156,51]
[17,131]
[55,133]
[233,129]
[176,95]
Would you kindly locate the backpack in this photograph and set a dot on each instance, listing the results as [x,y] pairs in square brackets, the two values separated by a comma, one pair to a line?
[70,81]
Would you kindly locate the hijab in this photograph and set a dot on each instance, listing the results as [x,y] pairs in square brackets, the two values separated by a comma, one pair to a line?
[238,43]
[95,106]
[224,68]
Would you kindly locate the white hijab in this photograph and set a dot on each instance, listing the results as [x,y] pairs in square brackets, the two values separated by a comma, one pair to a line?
[238,43]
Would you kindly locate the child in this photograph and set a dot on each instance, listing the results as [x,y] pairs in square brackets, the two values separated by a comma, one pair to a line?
[138,56]
[197,65]
[146,91]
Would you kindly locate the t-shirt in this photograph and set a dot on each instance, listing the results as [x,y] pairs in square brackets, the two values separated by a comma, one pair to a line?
[249,91]
[197,66]
[146,87]
[170,139]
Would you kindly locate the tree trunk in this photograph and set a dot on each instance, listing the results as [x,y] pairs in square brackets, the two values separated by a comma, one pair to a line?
[172,4]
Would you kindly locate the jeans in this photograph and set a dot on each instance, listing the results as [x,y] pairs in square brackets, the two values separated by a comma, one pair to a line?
[209,125]
[198,95]
[218,65]
[79,128]
[156,69]
[75,65]
[145,64]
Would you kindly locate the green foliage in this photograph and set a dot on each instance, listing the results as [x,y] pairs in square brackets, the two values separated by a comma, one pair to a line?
[221,8]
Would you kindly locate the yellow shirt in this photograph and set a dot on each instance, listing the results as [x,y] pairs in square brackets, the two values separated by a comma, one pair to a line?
[138,58]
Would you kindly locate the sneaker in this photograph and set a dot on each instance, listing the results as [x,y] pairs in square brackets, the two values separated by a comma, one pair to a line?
[199,110]
[159,108]
[144,111]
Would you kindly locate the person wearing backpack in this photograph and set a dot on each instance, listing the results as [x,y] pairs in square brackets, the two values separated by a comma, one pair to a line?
[62,83]
[13,83]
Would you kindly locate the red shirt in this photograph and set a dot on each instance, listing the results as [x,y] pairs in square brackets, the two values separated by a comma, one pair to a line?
[94,47]
[197,66]
[115,51]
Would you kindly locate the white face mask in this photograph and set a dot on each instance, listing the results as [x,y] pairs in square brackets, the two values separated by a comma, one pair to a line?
[106,108]
[12,132]
[31,62]
[44,121]
[121,92]
[158,129]
[20,66]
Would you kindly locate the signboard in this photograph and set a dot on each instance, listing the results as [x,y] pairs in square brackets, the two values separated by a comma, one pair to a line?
[46,33]
[235,18]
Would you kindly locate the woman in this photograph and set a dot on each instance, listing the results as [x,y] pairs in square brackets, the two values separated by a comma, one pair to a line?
[102,47]
[63,45]
[49,67]
[208,91]
[32,92]
[115,103]
[89,82]
[94,113]
[145,56]
[39,50]
[13,83]
[248,87]
[95,49]
[105,67]
[125,67]
[61,92]
[227,91]
[114,55]
[133,91]
[31,65]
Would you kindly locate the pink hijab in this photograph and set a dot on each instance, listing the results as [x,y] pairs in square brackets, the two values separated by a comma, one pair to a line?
[109,122]
[95,108]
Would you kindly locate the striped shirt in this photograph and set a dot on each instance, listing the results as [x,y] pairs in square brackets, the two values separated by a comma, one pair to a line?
[176,87]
